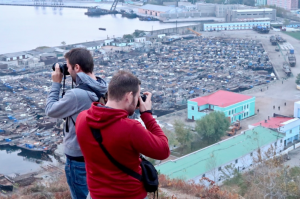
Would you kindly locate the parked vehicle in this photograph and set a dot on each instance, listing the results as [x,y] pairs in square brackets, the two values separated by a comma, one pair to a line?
[234,128]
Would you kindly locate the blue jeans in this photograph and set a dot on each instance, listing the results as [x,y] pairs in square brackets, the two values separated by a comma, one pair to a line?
[89,197]
[76,178]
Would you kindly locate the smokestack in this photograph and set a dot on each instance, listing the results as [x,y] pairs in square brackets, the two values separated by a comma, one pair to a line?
[266,121]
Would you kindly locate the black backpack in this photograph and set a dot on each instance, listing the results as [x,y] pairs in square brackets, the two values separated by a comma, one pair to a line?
[149,175]
[101,98]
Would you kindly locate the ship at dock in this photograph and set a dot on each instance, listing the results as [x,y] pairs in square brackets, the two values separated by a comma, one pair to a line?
[142,18]
[96,11]
[129,14]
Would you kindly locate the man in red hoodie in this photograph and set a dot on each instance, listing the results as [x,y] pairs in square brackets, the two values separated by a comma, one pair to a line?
[125,139]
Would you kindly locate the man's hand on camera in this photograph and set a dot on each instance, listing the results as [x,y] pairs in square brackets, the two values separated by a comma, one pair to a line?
[57,75]
[147,105]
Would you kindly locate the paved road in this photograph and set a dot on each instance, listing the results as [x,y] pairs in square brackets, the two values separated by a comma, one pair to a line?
[295,158]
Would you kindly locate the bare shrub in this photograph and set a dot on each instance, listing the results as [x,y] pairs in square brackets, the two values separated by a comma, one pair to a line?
[198,190]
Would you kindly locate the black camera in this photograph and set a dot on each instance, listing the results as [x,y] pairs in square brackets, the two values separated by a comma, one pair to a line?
[63,68]
[144,97]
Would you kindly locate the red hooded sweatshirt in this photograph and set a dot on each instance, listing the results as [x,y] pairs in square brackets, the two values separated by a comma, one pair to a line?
[124,139]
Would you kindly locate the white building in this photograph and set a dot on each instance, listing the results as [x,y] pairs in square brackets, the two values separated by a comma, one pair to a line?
[297,109]
[108,41]
[289,126]
[89,45]
[161,35]
[13,56]
[235,25]
[140,39]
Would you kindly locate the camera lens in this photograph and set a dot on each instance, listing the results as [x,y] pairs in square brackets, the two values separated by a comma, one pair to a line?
[144,97]
[63,68]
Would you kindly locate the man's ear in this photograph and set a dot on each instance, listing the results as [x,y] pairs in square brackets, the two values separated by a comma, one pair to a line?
[77,68]
[128,97]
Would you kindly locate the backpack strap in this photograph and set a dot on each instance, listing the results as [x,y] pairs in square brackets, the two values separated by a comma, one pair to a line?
[98,137]
[88,88]
[72,120]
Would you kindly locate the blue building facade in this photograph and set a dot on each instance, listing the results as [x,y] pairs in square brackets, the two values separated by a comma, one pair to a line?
[235,25]
[235,106]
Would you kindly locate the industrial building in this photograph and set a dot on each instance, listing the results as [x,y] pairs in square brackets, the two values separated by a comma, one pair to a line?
[288,5]
[289,126]
[153,10]
[235,106]
[210,12]
[234,12]
[241,15]
[237,152]
[235,25]
[260,2]
[218,10]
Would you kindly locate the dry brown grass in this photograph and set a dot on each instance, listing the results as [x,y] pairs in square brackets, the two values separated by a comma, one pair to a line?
[56,189]
[194,190]
[169,189]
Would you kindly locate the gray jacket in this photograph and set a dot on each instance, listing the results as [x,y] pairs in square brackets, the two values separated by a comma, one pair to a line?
[73,102]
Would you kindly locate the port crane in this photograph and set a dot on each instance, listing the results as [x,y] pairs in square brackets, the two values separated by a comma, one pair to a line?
[197,33]
[114,5]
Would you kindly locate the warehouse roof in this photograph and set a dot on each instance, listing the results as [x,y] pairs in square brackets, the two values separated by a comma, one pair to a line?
[156,8]
[195,164]
[221,98]
[17,54]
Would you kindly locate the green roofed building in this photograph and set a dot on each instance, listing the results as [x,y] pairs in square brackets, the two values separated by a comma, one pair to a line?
[237,151]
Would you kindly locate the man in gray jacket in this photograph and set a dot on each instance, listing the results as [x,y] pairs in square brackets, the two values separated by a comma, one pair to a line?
[88,89]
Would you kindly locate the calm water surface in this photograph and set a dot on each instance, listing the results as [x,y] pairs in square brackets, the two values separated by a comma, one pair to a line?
[14,160]
[25,28]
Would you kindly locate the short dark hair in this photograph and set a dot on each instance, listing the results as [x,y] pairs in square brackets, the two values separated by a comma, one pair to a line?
[121,83]
[82,57]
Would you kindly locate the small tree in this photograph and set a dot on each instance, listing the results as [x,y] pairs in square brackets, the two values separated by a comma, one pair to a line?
[212,126]
[171,137]
[138,33]
[211,165]
[63,43]
[183,133]
[298,79]
[128,37]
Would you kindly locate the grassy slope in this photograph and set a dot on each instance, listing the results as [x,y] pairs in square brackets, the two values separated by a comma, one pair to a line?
[296,35]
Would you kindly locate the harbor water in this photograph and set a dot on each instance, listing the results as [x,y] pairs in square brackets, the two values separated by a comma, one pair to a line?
[26,28]
[19,161]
